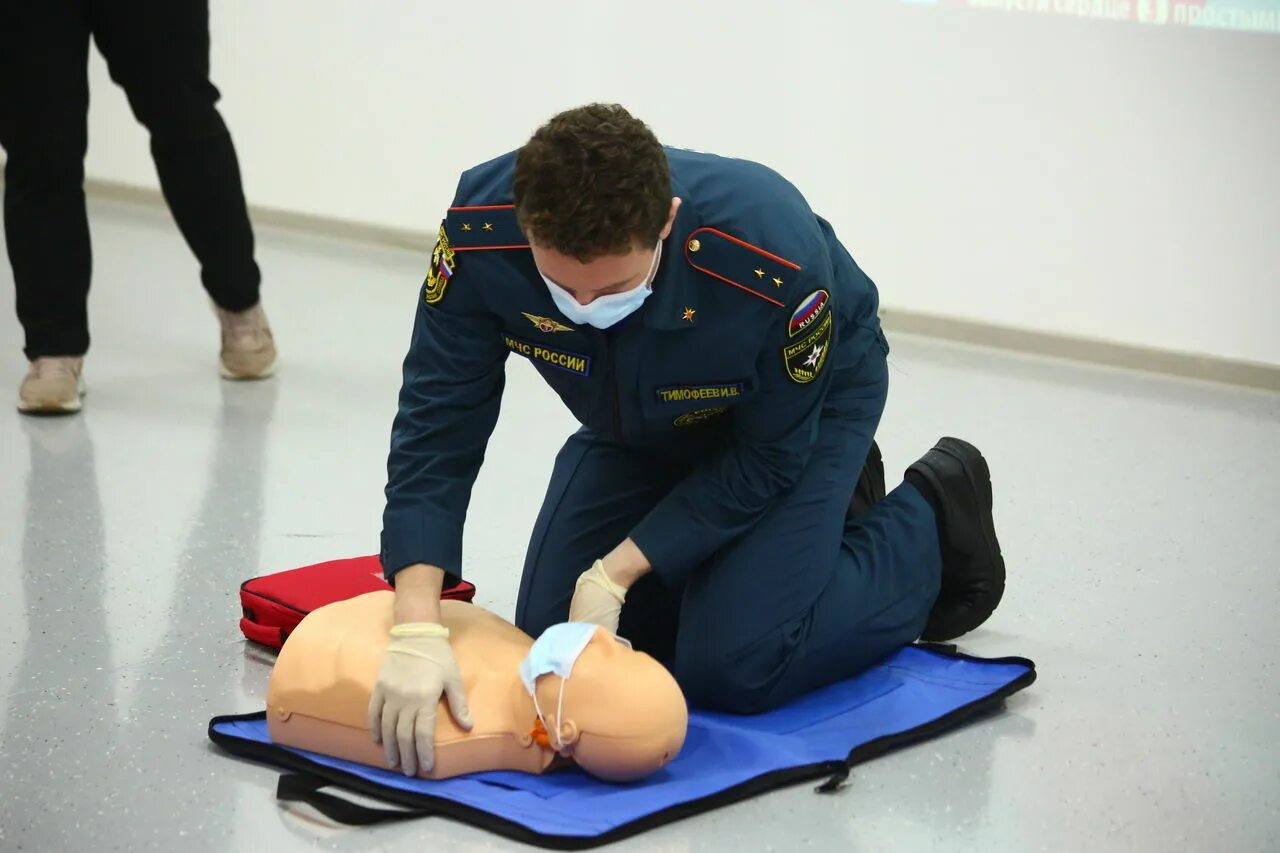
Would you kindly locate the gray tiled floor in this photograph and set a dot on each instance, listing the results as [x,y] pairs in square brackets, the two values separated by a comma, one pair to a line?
[1138,515]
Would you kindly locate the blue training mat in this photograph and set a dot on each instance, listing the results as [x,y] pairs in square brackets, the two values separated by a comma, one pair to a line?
[919,692]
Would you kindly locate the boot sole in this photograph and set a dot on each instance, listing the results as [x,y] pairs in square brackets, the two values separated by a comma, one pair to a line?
[49,410]
[979,479]
[958,449]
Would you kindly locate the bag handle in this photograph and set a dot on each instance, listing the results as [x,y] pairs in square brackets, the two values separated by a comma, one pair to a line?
[305,788]
[265,635]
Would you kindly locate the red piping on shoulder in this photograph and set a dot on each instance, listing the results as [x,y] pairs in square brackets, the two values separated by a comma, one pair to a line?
[487,207]
[746,245]
[689,257]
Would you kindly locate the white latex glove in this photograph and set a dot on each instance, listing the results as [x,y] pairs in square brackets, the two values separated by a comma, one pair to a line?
[417,670]
[597,599]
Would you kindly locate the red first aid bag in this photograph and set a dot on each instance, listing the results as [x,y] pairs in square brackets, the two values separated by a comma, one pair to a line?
[273,605]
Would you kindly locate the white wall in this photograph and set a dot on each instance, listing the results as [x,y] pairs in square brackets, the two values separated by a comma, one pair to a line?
[1096,178]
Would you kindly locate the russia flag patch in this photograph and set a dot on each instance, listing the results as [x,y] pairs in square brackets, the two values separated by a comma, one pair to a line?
[810,309]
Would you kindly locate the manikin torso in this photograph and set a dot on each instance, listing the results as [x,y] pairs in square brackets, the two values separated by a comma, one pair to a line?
[625,711]
[318,698]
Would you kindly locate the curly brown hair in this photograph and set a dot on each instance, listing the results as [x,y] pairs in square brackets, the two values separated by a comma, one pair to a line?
[593,181]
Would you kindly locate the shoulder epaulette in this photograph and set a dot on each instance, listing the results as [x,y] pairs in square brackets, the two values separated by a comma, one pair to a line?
[469,229]
[741,264]
[491,226]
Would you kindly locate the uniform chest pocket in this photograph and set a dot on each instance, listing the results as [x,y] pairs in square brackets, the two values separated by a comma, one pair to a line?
[688,403]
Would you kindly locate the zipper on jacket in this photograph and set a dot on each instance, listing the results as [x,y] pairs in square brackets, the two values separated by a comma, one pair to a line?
[612,387]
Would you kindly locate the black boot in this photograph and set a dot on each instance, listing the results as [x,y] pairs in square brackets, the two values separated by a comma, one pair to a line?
[955,480]
[870,487]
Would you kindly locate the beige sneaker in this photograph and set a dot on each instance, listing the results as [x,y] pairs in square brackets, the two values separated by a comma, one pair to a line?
[248,349]
[53,386]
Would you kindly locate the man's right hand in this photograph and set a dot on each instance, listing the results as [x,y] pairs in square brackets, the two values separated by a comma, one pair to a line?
[417,670]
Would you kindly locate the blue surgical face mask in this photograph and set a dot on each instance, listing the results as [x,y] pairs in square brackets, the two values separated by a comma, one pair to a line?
[608,310]
[555,653]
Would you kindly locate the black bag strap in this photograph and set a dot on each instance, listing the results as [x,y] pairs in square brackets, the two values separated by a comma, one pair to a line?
[837,781]
[305,788]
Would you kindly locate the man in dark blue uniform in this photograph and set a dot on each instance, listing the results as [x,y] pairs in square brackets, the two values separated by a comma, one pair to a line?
[722,506]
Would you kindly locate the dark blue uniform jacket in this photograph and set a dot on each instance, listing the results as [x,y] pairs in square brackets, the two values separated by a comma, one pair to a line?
[756,306]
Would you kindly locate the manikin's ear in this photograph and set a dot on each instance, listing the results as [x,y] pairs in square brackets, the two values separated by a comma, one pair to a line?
[568,733]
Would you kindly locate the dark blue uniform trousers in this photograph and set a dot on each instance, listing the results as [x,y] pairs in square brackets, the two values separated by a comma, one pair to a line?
[807,597]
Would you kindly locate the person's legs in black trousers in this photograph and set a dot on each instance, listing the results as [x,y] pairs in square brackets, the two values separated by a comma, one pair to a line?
[44,98]
[158,51]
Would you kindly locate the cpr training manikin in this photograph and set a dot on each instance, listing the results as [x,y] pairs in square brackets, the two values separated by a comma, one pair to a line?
[619,715]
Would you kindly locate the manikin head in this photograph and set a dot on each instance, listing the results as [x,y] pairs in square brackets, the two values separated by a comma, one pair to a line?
[593,196]
[622,716]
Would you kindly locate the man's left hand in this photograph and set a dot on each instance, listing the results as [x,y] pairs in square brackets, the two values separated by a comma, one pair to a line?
[597,598]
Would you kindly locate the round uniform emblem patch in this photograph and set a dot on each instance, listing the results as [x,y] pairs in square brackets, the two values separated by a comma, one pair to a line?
[805,358]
